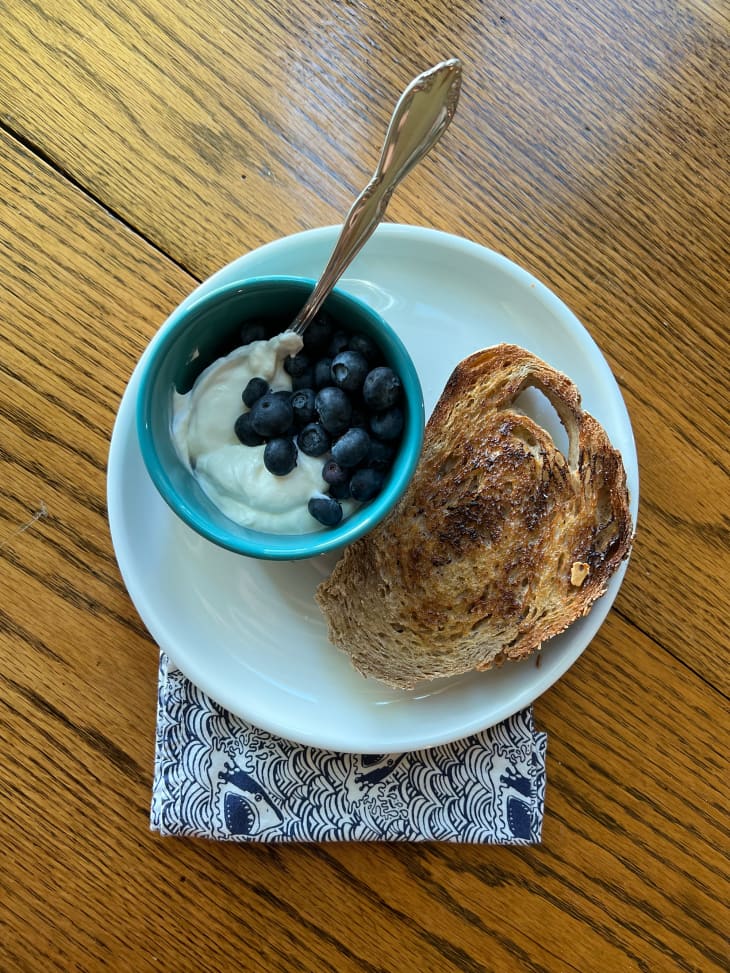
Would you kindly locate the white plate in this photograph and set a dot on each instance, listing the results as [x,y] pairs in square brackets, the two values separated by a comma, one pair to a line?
[249,632]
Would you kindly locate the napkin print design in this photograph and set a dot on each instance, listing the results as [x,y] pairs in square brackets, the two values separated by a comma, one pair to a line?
[217,776]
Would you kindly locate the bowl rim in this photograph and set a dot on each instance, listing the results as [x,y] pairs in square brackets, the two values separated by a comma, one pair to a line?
[245,540]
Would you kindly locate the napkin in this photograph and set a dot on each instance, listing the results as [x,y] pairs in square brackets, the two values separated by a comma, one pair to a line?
[217,776]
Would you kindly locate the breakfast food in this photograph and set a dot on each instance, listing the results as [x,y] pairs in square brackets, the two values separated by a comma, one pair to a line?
[289,434]
[500,541]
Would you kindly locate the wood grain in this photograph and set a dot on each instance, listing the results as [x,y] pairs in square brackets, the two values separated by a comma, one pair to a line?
[592,148]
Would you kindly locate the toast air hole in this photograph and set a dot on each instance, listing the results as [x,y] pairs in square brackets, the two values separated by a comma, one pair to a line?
[535,404]
[449,464]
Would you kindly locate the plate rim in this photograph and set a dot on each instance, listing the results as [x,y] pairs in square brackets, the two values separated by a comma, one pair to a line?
[145,606]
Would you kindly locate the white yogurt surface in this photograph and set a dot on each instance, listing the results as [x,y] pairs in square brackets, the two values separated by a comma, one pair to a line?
[234,475]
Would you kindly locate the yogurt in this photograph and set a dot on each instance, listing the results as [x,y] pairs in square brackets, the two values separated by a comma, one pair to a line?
[233,475]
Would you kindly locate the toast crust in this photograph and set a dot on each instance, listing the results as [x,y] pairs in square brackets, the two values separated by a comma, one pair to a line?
[500,541]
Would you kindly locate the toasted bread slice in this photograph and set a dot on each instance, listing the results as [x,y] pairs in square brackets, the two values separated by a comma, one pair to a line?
[500,541]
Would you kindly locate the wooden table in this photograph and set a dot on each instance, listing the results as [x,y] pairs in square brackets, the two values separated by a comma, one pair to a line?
[146,144]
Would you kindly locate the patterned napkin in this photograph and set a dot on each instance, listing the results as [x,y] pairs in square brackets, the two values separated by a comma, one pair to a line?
[217,776]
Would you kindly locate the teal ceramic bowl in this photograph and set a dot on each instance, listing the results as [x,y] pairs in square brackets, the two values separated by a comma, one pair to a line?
[193,337]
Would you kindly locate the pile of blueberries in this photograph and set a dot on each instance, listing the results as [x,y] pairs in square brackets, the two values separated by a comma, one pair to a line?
[345,406]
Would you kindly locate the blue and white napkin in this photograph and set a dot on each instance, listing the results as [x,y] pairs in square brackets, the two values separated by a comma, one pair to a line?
[217,776]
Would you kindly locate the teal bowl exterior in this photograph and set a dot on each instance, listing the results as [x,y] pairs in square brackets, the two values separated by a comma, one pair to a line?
[197,334]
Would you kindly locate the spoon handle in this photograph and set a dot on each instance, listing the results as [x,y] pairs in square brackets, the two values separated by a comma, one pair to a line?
[421,117]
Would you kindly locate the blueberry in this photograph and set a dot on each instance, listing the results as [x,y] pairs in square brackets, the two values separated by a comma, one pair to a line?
[253,331]
[340,491]
[302,403]
[280,456]
[366,484]
[322,373]
[334,409]
[245,432]
[339,342]
[388,424]
[255,388]
[296,365]
[313,440]
[284,395]
[351,448]
[272,415]
[334,474]
[366,347]
[318,335]
[303,381]
[381,456]
[326,510]
[382,389]
[349,369]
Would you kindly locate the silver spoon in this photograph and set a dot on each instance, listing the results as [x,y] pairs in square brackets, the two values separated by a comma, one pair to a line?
[420,118]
